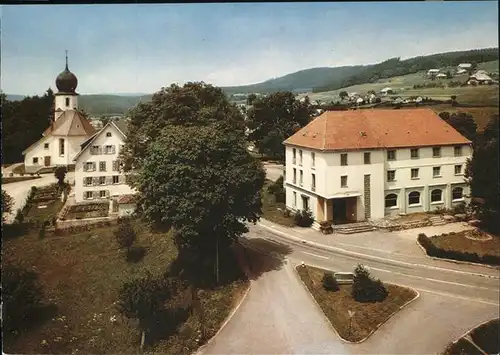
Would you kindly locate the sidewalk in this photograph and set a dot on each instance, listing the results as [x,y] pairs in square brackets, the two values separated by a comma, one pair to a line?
[400,246]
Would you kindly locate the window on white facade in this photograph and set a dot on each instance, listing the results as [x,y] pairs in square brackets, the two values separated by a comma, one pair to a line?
[457,193]
[116,179]
[35,160]
[89,166]
[343,181]
[436,195]
[102,180]
[294,199]
[115,165]
[108,134]
[391,155]
[414,173]
[102,166]
[46,146]
[313,182]
[391,200]
[436,171]
[109,149]
[300,157]
[61,146]
[414,198]
[367,158]
[102,194]
[89,194]
[95,150]
[458,169]
[343,159]
[436,152]
[294,159]
[313,160]
[414,153]
[391,175]
[458,151]
[87,181]
[294,176]
[301,177]
[67,102]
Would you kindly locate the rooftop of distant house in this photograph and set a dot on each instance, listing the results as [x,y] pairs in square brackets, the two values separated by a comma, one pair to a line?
[376,129]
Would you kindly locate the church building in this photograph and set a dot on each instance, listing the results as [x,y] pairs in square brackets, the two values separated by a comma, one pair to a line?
[68,129]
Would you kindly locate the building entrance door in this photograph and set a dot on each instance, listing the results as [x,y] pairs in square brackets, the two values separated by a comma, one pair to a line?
[47,160]
[339,211]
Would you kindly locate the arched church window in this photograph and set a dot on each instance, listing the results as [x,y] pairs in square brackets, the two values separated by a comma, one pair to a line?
[67,102]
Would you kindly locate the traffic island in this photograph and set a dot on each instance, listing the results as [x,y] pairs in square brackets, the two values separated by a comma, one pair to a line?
[484,339]
[353,321]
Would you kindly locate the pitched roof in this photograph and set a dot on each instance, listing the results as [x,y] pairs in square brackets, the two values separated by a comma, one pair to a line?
[121,126]
[376,128]
[126,199]
[71,123]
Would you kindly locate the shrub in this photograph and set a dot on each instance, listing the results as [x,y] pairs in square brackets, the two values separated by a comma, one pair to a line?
[365,288]
[21,295]
[41,233]
[303,218]
[330,282]
[459,208]
[276,189]
[125,235]
[19,216]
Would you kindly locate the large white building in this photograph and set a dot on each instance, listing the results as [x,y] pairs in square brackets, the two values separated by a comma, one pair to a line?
[68,128]
[348,166]
[97,171]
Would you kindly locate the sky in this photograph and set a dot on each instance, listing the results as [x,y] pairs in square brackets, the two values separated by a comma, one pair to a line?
[139,48]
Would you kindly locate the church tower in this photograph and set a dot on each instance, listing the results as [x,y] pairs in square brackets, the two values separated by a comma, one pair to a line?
[66,98]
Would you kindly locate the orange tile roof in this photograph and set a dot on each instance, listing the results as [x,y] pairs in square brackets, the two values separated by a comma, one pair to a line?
[376,128]
[71,123]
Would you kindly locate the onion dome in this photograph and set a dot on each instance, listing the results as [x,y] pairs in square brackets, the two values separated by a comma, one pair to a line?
[66,82]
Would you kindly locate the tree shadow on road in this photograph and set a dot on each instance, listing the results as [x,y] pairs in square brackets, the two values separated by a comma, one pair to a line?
[263,256]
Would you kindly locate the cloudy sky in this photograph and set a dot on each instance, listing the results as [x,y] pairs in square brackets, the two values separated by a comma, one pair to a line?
[140,48]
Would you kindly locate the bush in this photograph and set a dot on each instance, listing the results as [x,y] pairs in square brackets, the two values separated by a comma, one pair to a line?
[19,216]
[365,288]
[276,189]
[330,282]
[125,235]
[21,295]
[432,250]
[459,209]
[303,218]
[41,232]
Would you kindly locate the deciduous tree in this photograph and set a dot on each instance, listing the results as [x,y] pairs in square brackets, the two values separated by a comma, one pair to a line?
[343,94]
[482,176]
[274,118]
[7,204]
[463,122]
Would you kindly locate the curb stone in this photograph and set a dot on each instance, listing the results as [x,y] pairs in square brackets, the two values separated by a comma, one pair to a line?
[378,325]
[366,256]
[470,331]
[456,261]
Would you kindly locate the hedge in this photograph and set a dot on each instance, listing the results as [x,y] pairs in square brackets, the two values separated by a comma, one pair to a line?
[433,250]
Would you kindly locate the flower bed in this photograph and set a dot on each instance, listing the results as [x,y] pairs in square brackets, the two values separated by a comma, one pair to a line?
[457,246]
[87,210]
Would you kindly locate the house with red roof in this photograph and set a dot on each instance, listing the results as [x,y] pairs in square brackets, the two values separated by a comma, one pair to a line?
[357,165]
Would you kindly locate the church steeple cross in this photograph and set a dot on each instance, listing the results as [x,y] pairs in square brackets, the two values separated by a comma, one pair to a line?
[67,60]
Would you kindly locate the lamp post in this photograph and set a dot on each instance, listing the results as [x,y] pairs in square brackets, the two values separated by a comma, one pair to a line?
[351,314]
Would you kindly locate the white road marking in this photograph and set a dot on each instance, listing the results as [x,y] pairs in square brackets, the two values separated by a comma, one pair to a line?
[316,255]
[374,249]
[435,280]
[373,257]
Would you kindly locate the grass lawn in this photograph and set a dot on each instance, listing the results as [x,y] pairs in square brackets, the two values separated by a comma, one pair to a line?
[367,315]
[270,208]
[42,214]
[81,275]
[459,242]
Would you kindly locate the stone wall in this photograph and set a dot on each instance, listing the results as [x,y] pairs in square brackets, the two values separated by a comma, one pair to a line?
[88,222]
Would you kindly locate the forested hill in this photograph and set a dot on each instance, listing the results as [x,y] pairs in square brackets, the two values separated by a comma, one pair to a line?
[326,79]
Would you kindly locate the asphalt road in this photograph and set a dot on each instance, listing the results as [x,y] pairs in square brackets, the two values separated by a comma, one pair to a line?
[19,191]
[278,318]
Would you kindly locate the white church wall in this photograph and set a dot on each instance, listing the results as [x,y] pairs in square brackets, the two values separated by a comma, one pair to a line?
[60,102]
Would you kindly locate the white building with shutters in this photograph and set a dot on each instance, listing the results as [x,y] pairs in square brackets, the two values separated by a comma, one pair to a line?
[97,173]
